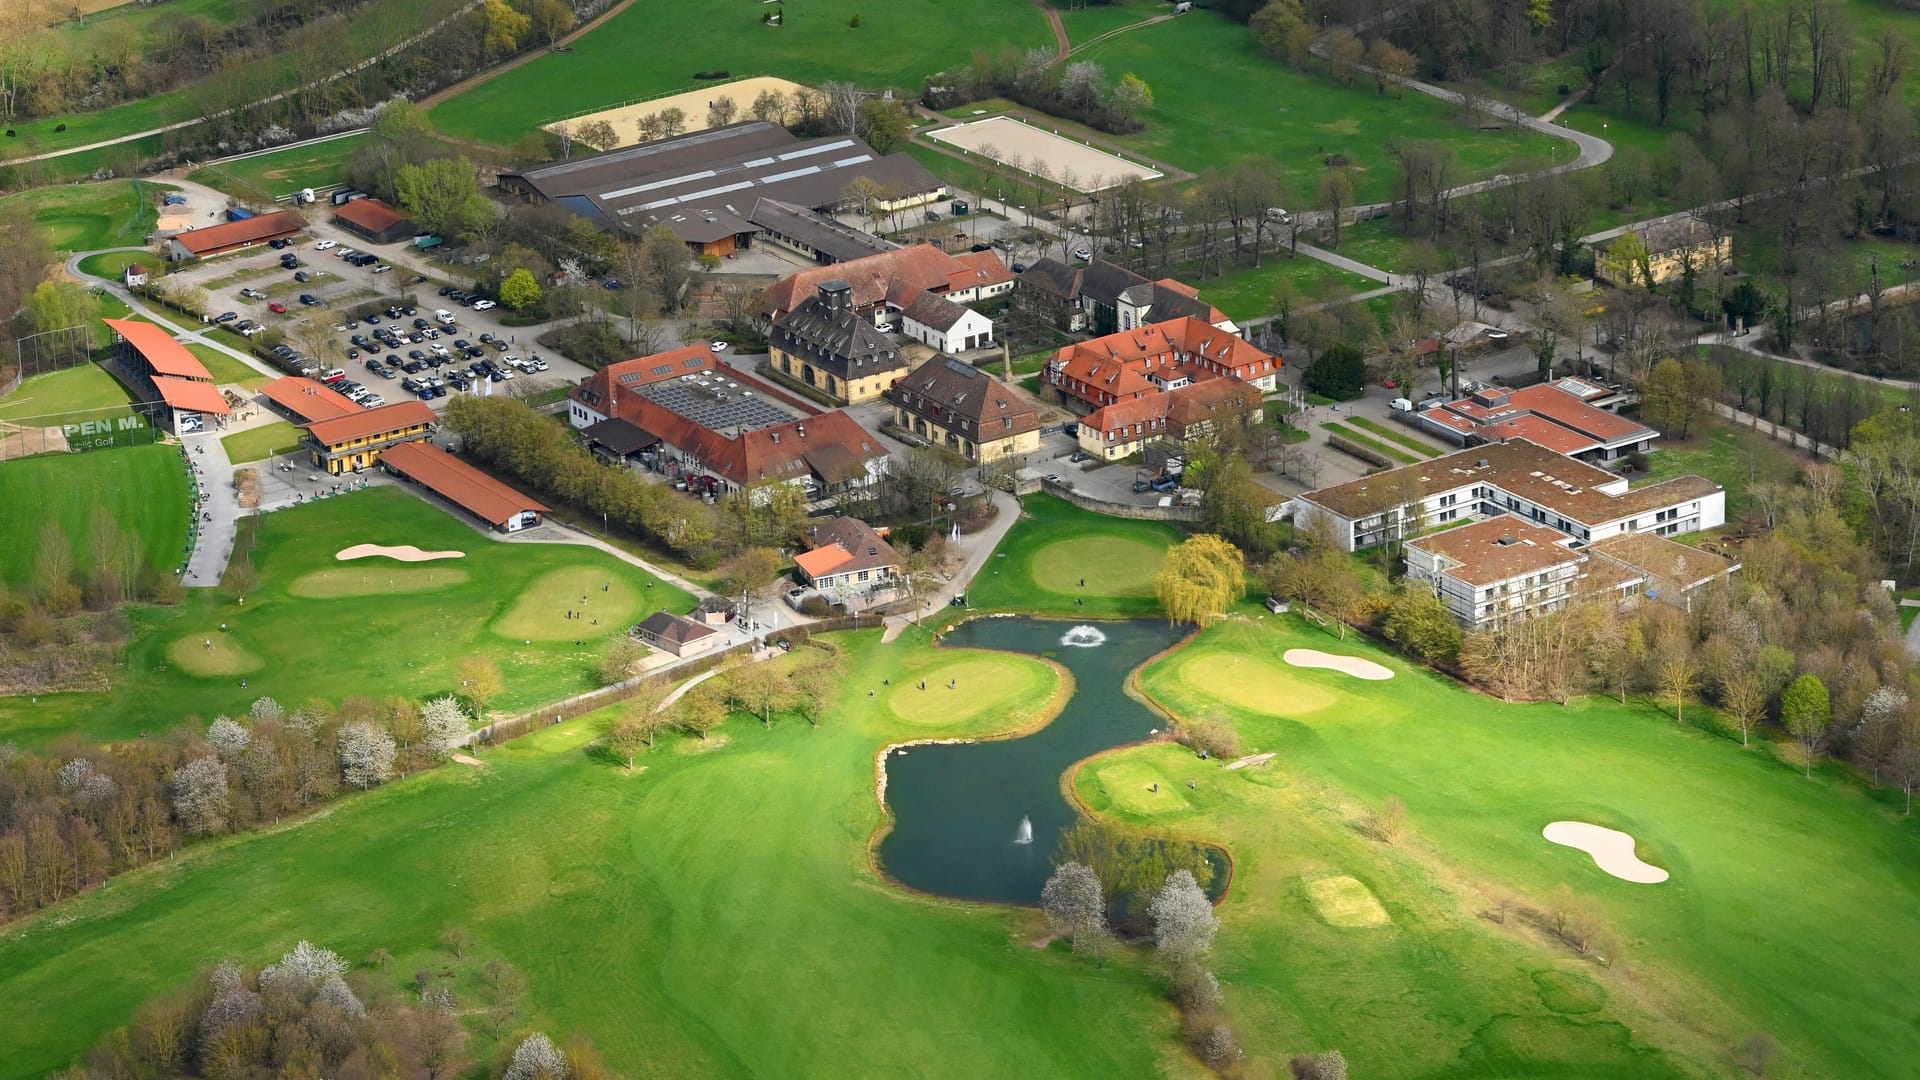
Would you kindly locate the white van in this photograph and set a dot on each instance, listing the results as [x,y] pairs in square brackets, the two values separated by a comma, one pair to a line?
[1400,404]
[1277,215]
[444,316]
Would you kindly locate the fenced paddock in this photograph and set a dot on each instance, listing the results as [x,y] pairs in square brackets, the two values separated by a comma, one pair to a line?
[1020,144]
[693,104]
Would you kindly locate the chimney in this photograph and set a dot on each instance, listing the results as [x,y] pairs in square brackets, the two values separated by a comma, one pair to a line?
[1481,464]
[800,430]
[836,294]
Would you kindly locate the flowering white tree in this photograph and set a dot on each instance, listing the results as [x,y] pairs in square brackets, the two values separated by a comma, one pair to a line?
[444,724]
[1076,905]
[1183,920]
[536,1058]
[74,774]
[200,795]
[305,967]
[233,1002]
[338,994]
[366,754]
[265,709]
[228,738]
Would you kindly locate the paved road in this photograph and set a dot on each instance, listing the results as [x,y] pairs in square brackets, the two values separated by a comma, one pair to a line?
[978,548]
[219,509]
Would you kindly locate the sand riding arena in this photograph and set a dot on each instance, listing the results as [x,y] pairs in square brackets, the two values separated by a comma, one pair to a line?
[693,105]
[1022,145]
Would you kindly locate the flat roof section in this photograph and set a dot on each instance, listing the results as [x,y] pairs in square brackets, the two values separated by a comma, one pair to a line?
[716,403]
[307,399]
[1497,549]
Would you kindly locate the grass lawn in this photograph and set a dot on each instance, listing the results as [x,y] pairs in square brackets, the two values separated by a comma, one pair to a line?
[645,51]
[1757,251]
[1039,565]
[66,396]
[265,441]
[82,217]
[1241,103]
[640,905]
[227,369]
[1355,435]
[1398,438]
[332,635]
[1089,22]
[113,264]
[1732,456]
[1246,292]
[283,171]
[1782,915]
[143,487]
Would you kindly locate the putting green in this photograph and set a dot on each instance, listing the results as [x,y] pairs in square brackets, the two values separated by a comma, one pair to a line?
[983,685]
[1253,683]
[540,612]
[1111,565]
[337,581]
[1345,902]
[225,657]
[1131,786]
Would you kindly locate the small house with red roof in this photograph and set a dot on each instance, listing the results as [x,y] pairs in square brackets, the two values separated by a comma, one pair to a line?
[846,552]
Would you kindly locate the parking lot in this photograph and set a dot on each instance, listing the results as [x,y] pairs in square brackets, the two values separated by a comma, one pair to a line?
[307,289]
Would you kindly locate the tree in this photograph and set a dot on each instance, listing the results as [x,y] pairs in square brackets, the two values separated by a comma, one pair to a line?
[1757,1053]
[366,754]
[1129,99]
[56,305]
[700,710]
[1200,578]
[752,575]
[519,291]
[632,733]
[1807,709]
[1388,823]
[1183,921]
[1679,673]
[1745,702]
[1325,1065]
[1076,905]
[457,940]
[598,134]
[722,111]
[1663,397]
[618,659]
[1338,373]
[1336,194]
[1420,623]
[504,27]
[200,796]
[441,195]
[480,680]
[553,19]
[770,106]
[885,121]
[536,1058]
[444,724]
[761,689]
[228,738]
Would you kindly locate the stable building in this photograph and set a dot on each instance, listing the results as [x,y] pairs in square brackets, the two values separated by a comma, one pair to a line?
[164,371]
[1103,297]
[952,404]
[704,185]
[234,235]
[354,441]
[466,487]
[373,221]
[814,235]
[894,277]
[826,345]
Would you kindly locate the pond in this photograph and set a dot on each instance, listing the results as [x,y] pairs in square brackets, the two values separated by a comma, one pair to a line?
[979,821]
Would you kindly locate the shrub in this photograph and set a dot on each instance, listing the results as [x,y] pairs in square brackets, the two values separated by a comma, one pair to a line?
[1194,987]
[1209,733]
[854,22]
[1388,823]
[1338,373]
[818,607]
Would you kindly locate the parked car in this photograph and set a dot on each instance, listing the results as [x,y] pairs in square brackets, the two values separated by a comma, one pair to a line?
[373,401]
[302,276]
[382,268]
[252,294]
[227,317]
[332,376]
[277,308]
[484,305]
[309,299]
[326,245]
[717,346]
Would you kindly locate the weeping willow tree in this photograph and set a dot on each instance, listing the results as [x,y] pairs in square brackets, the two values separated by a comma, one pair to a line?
[1200,578]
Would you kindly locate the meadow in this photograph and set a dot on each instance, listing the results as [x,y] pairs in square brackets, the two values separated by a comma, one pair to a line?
[1246,292]
[83,217]
[265,441]
[143,487]
[1241,103]
[266,176]
[644,52]
[315,627]
[65,396]
[1730,455]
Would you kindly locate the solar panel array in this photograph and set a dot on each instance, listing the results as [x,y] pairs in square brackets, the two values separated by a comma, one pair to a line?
[716,404]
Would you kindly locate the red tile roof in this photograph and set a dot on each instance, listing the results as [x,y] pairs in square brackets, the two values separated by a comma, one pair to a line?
[370,214]
[1179,409]
[253,230]
[191,394]
[368,423]
[1116,366]
[832,445]
[979,270]
[603,390]
[156,345]
[308,399]
[458,482]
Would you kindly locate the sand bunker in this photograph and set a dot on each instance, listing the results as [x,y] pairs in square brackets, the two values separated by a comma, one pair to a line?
[1006,139]
[693,104]
[1346,665]
[1612,850]
[402,552]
